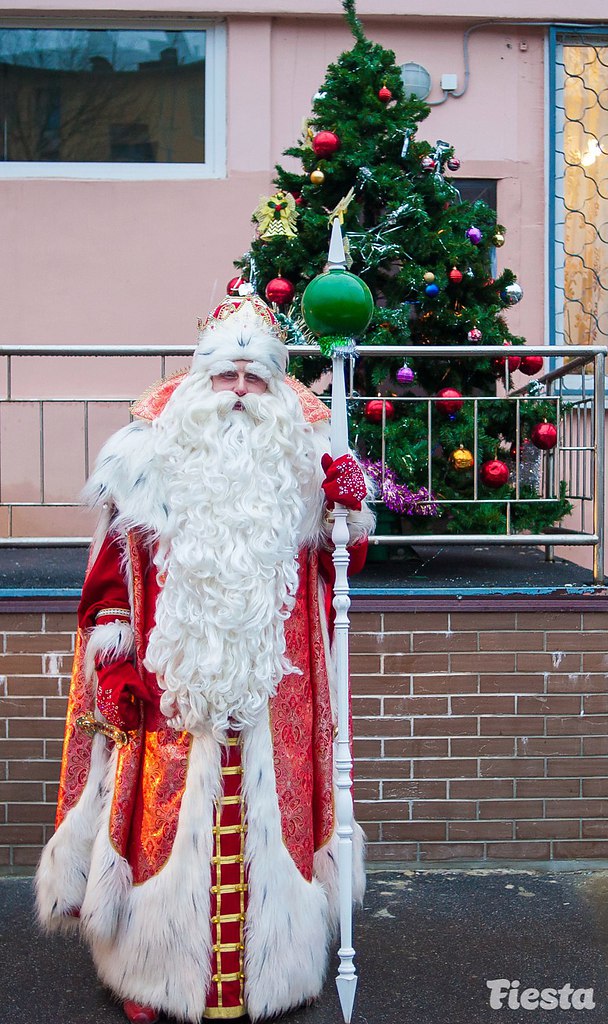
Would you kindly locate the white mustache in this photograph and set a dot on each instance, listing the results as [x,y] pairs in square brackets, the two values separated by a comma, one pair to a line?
[251,404]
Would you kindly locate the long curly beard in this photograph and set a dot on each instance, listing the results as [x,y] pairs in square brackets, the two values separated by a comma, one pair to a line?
[234,483]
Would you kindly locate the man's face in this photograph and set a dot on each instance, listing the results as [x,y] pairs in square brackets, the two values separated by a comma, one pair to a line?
[240,380]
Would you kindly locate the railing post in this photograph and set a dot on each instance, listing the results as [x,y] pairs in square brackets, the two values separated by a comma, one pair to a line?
[599,474]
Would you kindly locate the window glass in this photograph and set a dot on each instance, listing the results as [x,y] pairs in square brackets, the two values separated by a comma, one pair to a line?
[102,96]
[581,191]
[472,189]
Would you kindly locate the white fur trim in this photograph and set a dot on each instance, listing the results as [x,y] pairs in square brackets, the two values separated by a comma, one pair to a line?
[127,478]
[109,872]
[103,525]
[360,524]
[287,930]
[62,874]
[152,942]
[110,641]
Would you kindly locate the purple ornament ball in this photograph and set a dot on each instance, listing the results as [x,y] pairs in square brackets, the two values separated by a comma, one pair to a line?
[405,374]
[474,235]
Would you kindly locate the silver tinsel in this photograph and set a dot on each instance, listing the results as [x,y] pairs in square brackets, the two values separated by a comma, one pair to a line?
[536,388]
[529,467]
[364,174]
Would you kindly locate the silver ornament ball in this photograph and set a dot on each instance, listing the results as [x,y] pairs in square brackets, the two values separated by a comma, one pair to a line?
[513,294]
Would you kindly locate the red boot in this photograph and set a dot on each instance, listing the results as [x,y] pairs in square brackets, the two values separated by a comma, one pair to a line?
[138,1014]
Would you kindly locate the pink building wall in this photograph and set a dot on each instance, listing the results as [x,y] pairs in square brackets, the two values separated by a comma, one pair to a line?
[135,262]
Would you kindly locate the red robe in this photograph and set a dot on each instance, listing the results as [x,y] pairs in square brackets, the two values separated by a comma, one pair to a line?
[300,713]
[144,829]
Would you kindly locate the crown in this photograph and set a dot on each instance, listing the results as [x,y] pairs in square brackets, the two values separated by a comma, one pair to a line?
[242,327]
[247,306]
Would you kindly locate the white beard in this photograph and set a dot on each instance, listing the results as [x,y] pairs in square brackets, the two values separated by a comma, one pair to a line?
[234,482]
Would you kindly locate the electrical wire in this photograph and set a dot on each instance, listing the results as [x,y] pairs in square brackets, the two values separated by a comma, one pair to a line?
[490,24]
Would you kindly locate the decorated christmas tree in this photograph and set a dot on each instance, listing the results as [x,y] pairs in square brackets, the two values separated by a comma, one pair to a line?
[427,258]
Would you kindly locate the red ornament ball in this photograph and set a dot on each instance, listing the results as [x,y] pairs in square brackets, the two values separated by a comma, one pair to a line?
[544,435]
[451,401]
[325,143]
[385,94]
[455,276]
[475,335]
[531,365]
[280,291]
[494,473]
[428,164]
[513,361]
[373,410]
[232,288]
[297,198]
[453,163]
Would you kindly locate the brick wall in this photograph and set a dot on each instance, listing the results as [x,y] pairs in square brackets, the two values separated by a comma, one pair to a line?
[35,664]
[482,733]
[481,727]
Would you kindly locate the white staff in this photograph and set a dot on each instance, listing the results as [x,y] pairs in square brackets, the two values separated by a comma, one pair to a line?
[346,980]
[338,306]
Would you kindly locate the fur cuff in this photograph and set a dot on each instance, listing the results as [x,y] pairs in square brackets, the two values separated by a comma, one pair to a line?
[110,642]
[360,525]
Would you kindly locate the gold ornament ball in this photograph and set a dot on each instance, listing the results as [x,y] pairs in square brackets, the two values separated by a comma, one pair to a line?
[462,458]
[428,277]
[317,177]
[499,239]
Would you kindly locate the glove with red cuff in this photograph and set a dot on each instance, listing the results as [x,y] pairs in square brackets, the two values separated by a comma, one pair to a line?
[344,482]
[118,687]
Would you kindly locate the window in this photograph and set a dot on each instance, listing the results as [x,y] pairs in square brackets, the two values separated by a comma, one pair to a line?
[127,102]
[578,248]
[472,189]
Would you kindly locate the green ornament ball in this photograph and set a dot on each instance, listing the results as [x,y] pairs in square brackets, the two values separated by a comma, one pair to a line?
[338,303]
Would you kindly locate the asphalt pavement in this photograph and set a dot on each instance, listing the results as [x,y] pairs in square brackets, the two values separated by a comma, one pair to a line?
[428,942]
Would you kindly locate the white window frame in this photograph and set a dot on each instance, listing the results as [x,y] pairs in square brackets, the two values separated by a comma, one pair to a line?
[215,112]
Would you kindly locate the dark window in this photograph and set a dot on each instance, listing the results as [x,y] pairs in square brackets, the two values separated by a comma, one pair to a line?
[472,189]
[102,95]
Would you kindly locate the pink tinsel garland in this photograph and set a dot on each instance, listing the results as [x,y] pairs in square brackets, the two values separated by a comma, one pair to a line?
[397,496]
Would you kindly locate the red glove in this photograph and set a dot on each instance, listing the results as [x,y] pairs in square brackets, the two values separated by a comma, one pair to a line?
[118,686]
[344,482]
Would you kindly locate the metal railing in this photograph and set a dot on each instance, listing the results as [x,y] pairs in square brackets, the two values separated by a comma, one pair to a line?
[578,458]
